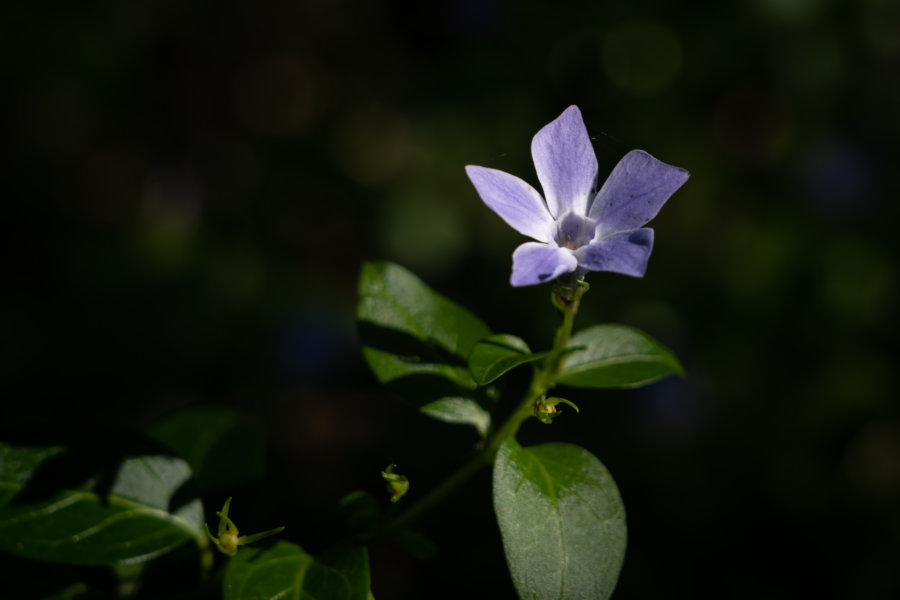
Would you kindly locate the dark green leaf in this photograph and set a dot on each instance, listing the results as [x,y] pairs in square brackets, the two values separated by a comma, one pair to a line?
[616,356]
[62,506]
[223,447]
[360,509]
[285,570]
[561,519]
[417,343]
[416,544]
[48,582]
[72,592]
[496,354]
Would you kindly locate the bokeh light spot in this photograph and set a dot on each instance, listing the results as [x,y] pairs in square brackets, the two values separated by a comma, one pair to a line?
[171,209]
[790,11]
[837,176]
[238,276]
[372,145]
[881,25]
[276,95]
[871,462]
[858,281]
[422,231]
[812,63]
[754,126]
[642,58]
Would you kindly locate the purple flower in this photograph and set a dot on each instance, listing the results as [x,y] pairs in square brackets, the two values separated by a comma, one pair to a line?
[578,228]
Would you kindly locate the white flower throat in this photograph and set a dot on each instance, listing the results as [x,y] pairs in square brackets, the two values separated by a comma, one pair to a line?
[574,231]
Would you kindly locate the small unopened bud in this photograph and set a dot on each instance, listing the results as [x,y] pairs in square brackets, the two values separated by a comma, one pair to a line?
[228,539]
[545,408]
[397,485]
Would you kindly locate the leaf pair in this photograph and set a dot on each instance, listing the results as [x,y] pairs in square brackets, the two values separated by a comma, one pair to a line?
[126,512]
[417,343]
[439,357]
[602,356]
[117,500]
[106,497]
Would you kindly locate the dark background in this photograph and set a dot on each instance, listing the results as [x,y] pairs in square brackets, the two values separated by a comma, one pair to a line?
[189,189]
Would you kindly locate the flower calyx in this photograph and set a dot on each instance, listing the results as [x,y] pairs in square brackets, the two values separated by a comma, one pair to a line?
[562,296]
[397,485]
[545,409]
[229,540]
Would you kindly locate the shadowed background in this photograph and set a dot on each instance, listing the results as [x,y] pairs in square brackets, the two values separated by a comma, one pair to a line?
[190,189]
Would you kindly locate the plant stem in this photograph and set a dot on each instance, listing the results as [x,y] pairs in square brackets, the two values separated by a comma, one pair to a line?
[544,378]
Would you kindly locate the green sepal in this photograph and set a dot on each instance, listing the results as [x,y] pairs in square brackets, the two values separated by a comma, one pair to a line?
[229,539]
[255,537]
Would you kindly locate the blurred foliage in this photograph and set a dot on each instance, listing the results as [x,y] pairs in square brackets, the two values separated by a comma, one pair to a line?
[190,189]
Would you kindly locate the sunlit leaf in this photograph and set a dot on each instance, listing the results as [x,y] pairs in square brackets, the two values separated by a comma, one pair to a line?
[61,505]
[616,356]
[417,342]
[561,519]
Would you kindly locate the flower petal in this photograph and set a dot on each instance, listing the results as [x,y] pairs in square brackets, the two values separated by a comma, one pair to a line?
[625,252]
[635,191]
[535,263]
[565,163]
[514,201]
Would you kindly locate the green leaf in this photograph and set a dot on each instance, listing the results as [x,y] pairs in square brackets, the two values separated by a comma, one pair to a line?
[48,582]
[561,519]
[616,356]
[360,509]
[496,354]
[223,447]
[417,343]
[285,570]
[459,410]
[72,592]
[96,507]
[416,544]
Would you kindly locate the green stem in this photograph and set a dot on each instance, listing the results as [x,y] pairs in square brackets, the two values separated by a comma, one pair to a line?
[539,386]
[544,378]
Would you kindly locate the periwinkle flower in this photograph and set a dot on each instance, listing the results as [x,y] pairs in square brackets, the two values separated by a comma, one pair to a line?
[578,228]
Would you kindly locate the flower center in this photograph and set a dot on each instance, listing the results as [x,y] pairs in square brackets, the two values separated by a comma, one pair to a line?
[574,231]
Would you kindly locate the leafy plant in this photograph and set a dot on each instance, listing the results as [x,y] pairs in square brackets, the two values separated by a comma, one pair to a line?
[118,501]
